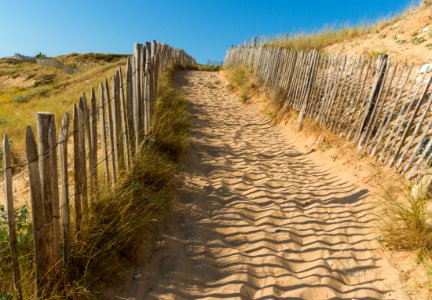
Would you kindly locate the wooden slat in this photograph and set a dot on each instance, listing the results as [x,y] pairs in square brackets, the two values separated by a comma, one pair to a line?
[64,191]
[378,108]
[130,105]
[137,95]
[52,143]
[409,125]
[108,105]
[357,105]
[77,171]
[391,113]
[115,105]
[344,89]
[102,130]
[421,159]
[41,244]
[83,164]
[398,127]
[386,116]
[124,120]
[43,121]
[13,245]
[373,99]
[351,98]
[414,134]
[94,176]
[89,149]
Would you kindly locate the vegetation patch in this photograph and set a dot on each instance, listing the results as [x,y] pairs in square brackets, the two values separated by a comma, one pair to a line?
[123,222]
[326,37]
[241,79]
[23,98]
[88,59]
[25,249]
[401,41]
[62,91]
[407,224]
[418,40]
[204,67]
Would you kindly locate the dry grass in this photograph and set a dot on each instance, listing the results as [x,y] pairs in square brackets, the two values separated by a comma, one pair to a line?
[324,38]
[407,224]
[53,91]
[204,67]
[334,35]
[241,79]
[123,222]
[25,248]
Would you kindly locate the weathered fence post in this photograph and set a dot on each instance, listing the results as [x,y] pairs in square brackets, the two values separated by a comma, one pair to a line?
[64,179]
[77,171]
[41,243]
[45,170]
[93,153]
[7,166]
[83,165]
[103,135]
[376,88]
[111,143]
[137,95]
[130,105]
[124,121]
[52,143]
[309,85]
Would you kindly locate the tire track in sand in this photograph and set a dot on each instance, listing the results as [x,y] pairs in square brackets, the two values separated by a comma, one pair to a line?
[257,219]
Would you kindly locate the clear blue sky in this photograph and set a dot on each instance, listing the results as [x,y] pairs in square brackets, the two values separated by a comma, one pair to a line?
[204,28]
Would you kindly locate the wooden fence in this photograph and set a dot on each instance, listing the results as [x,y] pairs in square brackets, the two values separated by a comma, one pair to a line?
[54,63]
[101,139]
[214,62]
[382,106]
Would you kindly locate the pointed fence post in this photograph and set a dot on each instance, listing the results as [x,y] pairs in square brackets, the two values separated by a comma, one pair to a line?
[43,122]
[376,88]
[77,171]
[103,136]
[40,232]
[13,245]
[64,192]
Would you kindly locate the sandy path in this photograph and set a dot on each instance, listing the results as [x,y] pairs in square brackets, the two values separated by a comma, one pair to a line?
[257,219]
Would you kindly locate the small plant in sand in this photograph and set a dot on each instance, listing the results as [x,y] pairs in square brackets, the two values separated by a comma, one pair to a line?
[375,53]
[324,145]
[25,248]
[401,41]
[241,79]
[269,113]
[418,40]
[407,224]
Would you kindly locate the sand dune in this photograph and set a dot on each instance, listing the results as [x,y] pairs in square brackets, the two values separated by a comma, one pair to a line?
[257,219]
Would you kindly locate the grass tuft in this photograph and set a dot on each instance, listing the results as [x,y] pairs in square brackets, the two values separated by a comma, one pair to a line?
[406,222]
[241,79]
[407,225]
[203,67]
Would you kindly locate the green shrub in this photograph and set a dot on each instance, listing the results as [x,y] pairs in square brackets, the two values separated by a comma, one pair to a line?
[40,55]
[26,97]
[418,40]
[25,249]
